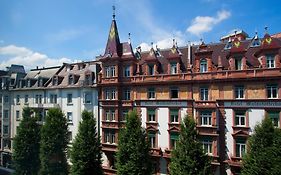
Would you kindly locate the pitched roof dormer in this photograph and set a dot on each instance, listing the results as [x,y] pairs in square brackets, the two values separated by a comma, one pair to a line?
[237,46]
[203,49]
[174,52]
[151,56]
[269,43]
[113,47]
[256,41]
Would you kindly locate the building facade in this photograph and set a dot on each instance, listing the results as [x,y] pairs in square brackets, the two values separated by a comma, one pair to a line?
[227,87]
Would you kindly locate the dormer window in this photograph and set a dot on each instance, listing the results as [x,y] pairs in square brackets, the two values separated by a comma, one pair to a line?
[28,83]
[270,61]
[88,80]
[238,63]
[71,79]
[55,81]
[173,68]
[40,82]
[256,43]
[203,65]
[228,45]
[151,69]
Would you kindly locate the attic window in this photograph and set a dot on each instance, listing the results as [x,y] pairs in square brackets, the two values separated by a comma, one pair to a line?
[40,83]
[71,79]
[256,43]
[55,81]
[228,46]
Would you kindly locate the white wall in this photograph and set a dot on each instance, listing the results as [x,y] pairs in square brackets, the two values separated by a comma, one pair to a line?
[229,131]
[255,117]
[163,135]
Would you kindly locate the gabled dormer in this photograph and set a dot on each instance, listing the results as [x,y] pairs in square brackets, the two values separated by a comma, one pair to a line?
[256,41]
[151,62]
[203,58]
[236,56]
[268,53]
[174,58]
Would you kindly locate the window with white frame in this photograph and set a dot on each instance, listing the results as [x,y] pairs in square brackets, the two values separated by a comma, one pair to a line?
[127,94]
[204,93]
[206,118]
[18,99]
[17,115]
[240,147]
[174,115]
[26,99]
[109,136]
[152,139]
[239,92]
[87,98]
[109,115]
[238,63]
[173,67]
[207,144]
[151,115]
[53,98]
[71,79]
[174,137]
[203,65]
[69,98]
[272,91]
[240,118]
[275,117]
[270,61]
[151,93]
[107,71]
[69,117]
[127,71]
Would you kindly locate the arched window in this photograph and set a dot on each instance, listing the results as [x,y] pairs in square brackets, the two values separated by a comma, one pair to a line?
[203,65]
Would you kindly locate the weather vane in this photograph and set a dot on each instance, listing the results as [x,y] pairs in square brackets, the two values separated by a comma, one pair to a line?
[113,8]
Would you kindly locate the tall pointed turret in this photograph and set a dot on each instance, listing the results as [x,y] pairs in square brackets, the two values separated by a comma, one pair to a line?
[113,43]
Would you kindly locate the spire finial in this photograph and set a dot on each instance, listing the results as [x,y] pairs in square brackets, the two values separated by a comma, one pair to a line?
[173,41]
[266,29]
[151,44]
[235,33]
[113,12]
[129,37]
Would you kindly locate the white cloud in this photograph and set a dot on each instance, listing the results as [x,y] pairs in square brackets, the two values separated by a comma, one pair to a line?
[30,59]
[202,24]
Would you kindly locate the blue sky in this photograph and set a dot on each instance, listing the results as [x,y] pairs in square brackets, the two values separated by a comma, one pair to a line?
[49,32]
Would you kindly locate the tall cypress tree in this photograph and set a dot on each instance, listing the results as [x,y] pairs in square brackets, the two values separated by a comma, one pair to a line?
[26,145]
[188,157]
[133,157]
[54,140]
[86,149]
[264,153]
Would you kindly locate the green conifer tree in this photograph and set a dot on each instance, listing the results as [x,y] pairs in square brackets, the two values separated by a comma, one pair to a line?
[188,157]
[133,156]
[86,149]
[26,145]
[53,145]
[264,153]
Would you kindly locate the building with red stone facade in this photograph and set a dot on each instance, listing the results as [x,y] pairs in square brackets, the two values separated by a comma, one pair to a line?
[228,87]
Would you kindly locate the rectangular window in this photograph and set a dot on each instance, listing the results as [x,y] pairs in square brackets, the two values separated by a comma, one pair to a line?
[6,99]
[113,94]
[151,69]
[5,129]
[127,71]
[71,79]
[239,92]
[124,115]
[69,98]
[240,118]
[69,117]
[151,93]
[26,99]
[151,115]
[173,68]
[174,92]
[87,98]
[107,94]
[152,139]
[272,91]
[238,64]
[270,61]
[18,99]
[206,118]
[275,117]
[109,136]
[203,66]
[204,94]
[127,94]
[107,71]
[53,98]
[110,115]
[6,114]
[112,71]
[174,115]
[174,137]
[207,144]
[240,147]
[17,115]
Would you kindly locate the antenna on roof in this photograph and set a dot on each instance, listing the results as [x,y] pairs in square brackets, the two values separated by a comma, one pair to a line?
[113,12]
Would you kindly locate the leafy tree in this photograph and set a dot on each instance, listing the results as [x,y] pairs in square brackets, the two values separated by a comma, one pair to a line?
[86,150]
[264,153]
[133,156]
[26,145]
[188,157]
[54,140]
